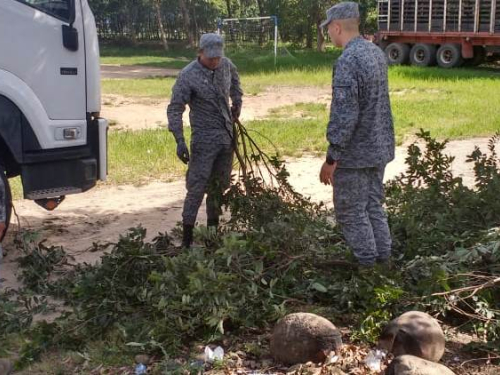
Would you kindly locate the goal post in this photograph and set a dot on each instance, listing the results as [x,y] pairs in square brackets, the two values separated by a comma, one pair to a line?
[247,31]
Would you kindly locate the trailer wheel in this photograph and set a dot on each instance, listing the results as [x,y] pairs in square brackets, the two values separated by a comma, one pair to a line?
[8,201]
[423,55]
[479,57]
[450,56]
[397,53]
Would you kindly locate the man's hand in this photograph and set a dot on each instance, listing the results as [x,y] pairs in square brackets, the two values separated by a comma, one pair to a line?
[2,228]
[326,174]
[183,152]
[236,112]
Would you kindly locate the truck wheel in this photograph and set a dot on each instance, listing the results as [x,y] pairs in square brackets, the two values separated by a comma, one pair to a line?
[8,201]
[478,59]
[397,53]
[450,56]
[423,55]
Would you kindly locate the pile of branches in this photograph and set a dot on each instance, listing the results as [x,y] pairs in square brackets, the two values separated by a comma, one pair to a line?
[266,263]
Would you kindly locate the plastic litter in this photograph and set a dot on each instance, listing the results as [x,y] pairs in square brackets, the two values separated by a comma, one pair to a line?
[214,355]
[333,359]
[141,369]
[374,359]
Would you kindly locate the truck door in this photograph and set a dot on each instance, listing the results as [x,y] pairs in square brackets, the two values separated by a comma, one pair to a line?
[35,53]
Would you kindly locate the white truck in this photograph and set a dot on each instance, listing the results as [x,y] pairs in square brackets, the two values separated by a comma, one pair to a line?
[51,132]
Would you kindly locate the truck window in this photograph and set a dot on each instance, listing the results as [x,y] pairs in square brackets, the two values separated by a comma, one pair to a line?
[57,8]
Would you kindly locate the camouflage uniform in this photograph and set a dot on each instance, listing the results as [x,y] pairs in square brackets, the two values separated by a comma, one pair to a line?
[361,137]
[207,92]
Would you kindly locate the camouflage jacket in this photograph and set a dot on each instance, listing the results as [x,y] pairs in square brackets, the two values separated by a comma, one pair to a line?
[360,130]
[207,93]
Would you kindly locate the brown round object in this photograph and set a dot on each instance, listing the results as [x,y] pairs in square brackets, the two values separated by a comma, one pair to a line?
[415,333]
[303,337]
[411,365]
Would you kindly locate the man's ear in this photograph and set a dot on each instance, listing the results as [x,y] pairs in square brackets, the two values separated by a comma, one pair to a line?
[336,28]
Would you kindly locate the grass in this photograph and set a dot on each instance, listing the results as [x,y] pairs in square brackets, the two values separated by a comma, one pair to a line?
[149,87]
[140,157]
[253,84]
[257,69]
[451,104]
[248,61]
[176,59]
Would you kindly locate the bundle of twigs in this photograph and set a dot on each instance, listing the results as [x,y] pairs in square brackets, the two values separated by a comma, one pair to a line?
[253,161]
[256,164]
[461,300]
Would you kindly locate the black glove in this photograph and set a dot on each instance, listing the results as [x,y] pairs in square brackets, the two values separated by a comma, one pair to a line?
[183,152]
[236,111]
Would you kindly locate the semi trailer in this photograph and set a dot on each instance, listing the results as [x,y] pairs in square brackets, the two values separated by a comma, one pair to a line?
[449,33]
[51,132]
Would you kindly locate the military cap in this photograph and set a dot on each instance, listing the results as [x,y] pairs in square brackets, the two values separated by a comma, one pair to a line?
[341,11]
[212,45]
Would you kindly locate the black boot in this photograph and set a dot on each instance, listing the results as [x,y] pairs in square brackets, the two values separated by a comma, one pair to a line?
[213,223]
[187,236]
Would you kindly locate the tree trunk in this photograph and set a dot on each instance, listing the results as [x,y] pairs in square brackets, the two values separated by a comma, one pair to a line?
[195,29]
[309,37]
[260,4]
[229,9]
[261,13]
[187,23]
[163,36]
[321,37]
[132,35]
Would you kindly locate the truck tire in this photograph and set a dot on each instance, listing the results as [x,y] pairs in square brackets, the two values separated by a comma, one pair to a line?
[8,202]
[397,53]
[479,57]
[423,55]
[450,56]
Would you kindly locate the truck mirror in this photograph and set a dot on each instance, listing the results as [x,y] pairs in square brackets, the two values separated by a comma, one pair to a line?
[70,37]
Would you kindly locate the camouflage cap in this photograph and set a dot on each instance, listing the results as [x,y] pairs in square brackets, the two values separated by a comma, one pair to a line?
[212,45]
[341,11]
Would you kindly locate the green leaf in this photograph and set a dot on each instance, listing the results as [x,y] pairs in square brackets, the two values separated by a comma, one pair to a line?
[320,288]
[134,344]
[221,326]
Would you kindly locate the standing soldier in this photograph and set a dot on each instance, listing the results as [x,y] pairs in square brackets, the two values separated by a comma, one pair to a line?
[206,85]
[361,137]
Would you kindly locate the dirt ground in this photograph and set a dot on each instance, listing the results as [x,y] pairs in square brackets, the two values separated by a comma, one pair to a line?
[135,71]
[146,113]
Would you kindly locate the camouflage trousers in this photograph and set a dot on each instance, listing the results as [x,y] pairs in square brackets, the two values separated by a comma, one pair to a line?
[209,173]
[358,200]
